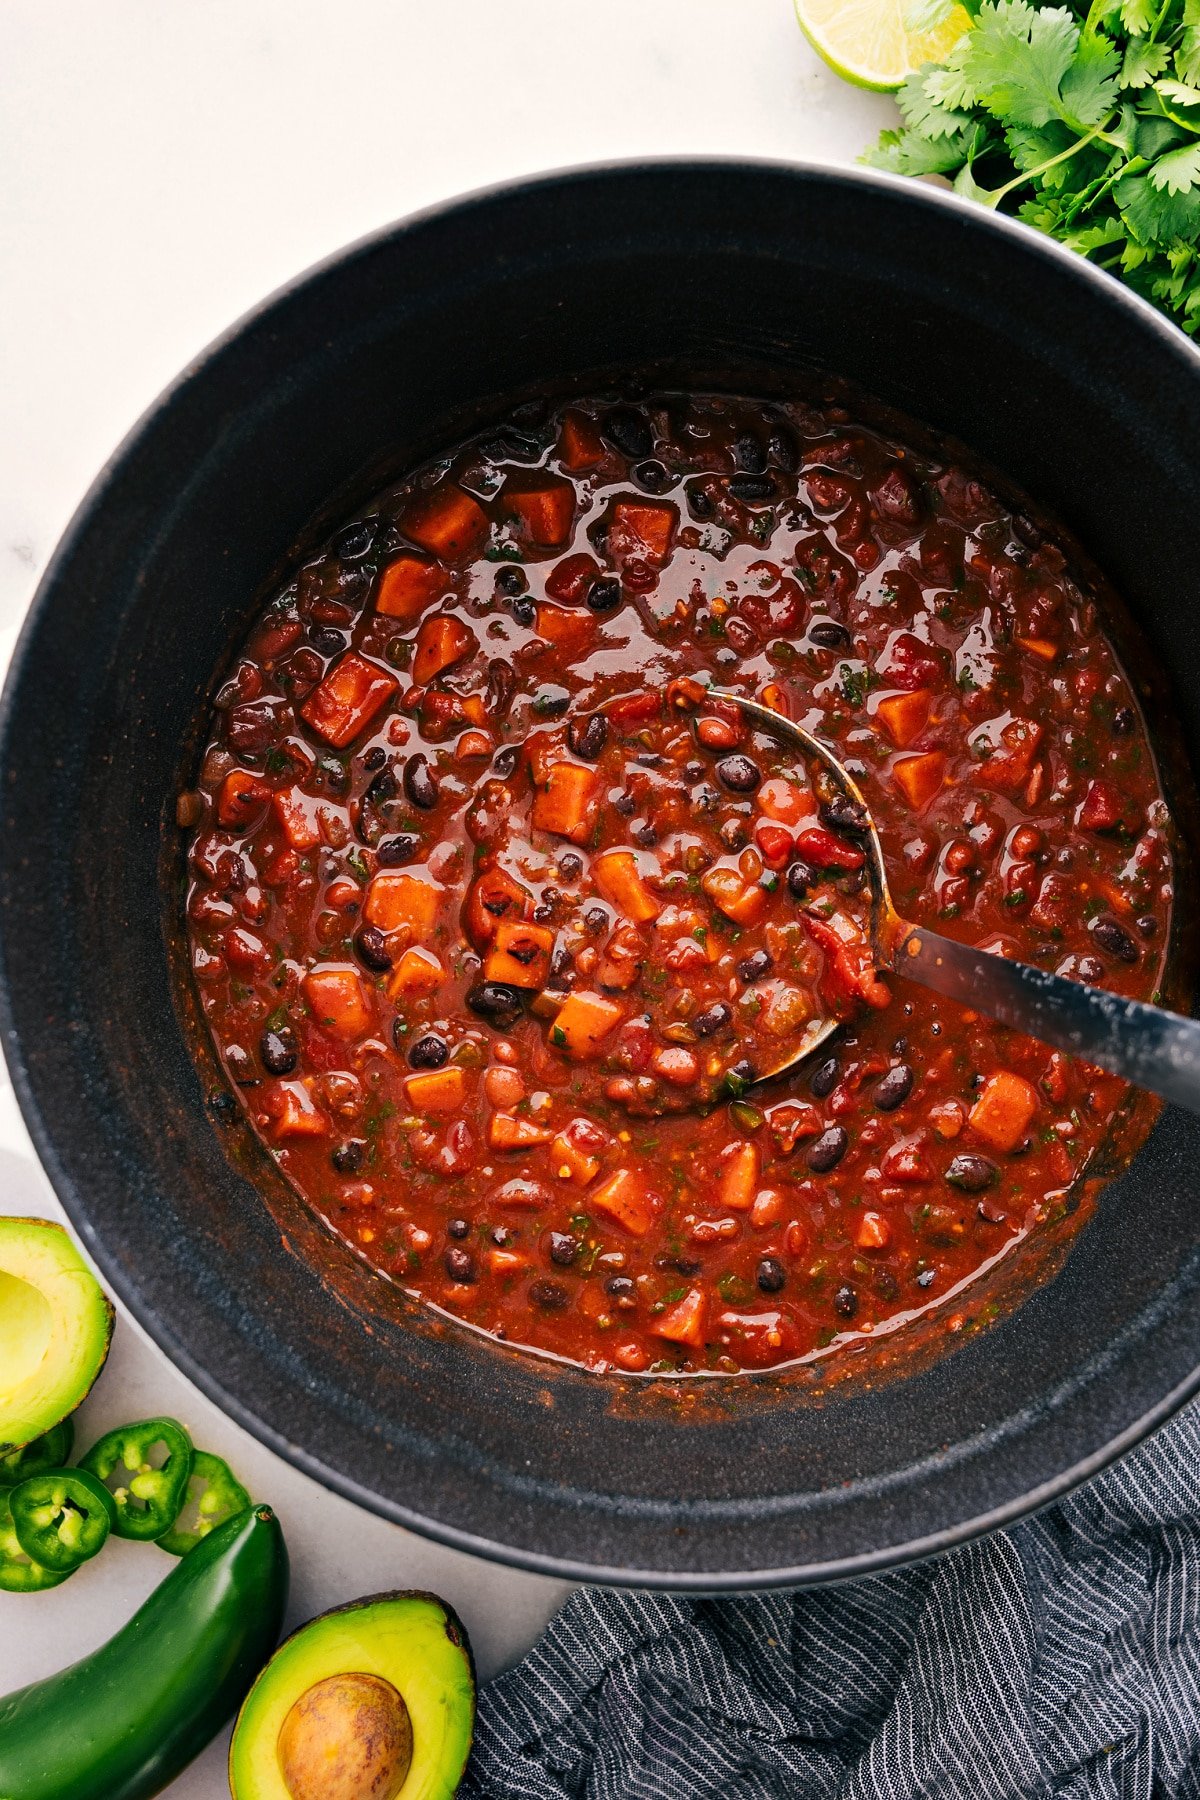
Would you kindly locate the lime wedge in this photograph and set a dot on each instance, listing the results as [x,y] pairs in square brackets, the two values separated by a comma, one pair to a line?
[867,41]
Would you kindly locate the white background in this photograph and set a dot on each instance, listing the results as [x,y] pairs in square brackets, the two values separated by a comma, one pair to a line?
[163,165]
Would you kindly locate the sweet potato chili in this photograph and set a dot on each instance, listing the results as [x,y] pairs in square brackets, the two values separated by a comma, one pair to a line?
[496,919]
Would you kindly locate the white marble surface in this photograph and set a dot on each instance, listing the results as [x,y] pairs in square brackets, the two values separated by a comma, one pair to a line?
[166,165]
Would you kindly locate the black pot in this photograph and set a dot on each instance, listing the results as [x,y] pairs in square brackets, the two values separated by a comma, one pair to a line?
[746,274]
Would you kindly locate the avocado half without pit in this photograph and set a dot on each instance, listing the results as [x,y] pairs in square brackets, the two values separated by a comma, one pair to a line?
[55,1329]
[373,1701]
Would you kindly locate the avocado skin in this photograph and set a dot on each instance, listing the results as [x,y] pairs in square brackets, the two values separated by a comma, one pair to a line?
[287,1666]
[124,1721]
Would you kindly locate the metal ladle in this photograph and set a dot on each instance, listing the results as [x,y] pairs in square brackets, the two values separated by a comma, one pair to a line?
[1149,1046]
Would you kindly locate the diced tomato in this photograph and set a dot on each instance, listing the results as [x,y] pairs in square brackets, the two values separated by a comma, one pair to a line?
[566,805]
[683,1323]
[619,879]
[1103,808]
[340,1003]
[904,716]
[907,1162]
[873,1233]
[583,1022]
[343,704]
[544,513]
[850,971]
[631,710]
[570,579]
[491,897]
[775,842]
[1004,1110]
[758,1339]
[520,954]
[909,662]
[447,523]
[641,528]
[826,851]
[243,799]
[441,642]
[1007,768]
[579,443]
[297,813]
[408,585]
[920,777]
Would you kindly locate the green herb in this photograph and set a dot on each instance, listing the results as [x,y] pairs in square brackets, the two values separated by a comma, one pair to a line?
[277,762]
[854,684]
[358,862]
[1084,121]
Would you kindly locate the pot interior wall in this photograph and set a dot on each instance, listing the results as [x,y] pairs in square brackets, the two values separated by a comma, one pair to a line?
[1069,388]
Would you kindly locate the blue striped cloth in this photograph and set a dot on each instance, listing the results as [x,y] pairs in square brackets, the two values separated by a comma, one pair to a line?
[1059,1658]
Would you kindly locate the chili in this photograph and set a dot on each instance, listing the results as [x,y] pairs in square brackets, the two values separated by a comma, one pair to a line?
[50,1451]
[149,1496]
[62,1518]
[214,1494]
[19,1573]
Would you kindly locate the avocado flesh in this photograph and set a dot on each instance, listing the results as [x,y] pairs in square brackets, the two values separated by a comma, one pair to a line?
[413,1640]
[55,1329]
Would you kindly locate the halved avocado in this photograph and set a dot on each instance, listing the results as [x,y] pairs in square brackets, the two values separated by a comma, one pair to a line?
[372,1701]
[55,1329]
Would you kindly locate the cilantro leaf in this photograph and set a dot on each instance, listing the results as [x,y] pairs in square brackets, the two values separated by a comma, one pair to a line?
[1153,215]
[1179,171]
[925,114]
[909,153]
[1143,62]
[1016,59]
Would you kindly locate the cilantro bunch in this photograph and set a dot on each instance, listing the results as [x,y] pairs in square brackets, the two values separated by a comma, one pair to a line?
[1084,121]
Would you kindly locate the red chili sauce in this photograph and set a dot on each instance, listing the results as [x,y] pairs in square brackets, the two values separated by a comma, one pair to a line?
[497,920]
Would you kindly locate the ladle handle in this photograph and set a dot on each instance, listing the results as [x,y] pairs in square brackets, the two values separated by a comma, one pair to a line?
[1149,1046]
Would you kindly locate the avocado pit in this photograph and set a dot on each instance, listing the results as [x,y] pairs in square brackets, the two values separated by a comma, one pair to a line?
[348,1737]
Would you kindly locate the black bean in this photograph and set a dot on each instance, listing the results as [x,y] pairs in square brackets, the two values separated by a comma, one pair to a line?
[570,865]
[622,1289]
[625,804]
[501,1235]
[770,1275]
[399,849]
[460,1264]
[605,594]
[739,773]
[800,878]
[353,542]
[334,776]
[382,787]
[700,503]
[501,687]
[497,1002]
[755,966]
[551,701]
[563,1248]
[705,799]
[561,964]
[652,476]
[629,431]
[459,1228]
[587,737]
[375,757]
[825,1079]
[524,611]
[1114,939]
[240,1066]
[429,1051]
[841,813]
[743,1072]
[829,635]
[643,833]
[748,454]
[348,1158]
[972,1173]
[325,639]
[893,1089]
[420,783]
[750,487]
[279,1051]
[1124,721]
[372,947]
[1090,968]
[595,918]
[783,450]
[845,1303]
[827,1151]
[1147,924]
[506,759]
[552,1296]
[714,1018]
[926,1278]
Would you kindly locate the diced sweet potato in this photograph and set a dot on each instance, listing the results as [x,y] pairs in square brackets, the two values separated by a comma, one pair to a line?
[347,699]
[418,974]
[571,631]
[683,1323]
[493,895]
[297,815]
[398,900]
[508,1132]
[1002,1114]
[447,523]
[783,801]
[739,1177]
[506,1262]
[339,1001]
[577,1152]
[619,879]
[408,585]
[740,900]
[545,513]
[642,529]
[904,716]
[441,642]
[583,1022]
[520,954]
[919,778]
[294,1112]
[1007,769]
[437,1090]
[625,1198]
[566,805]
[1045,649]
[874,1232]
[242,799]
[579,443]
